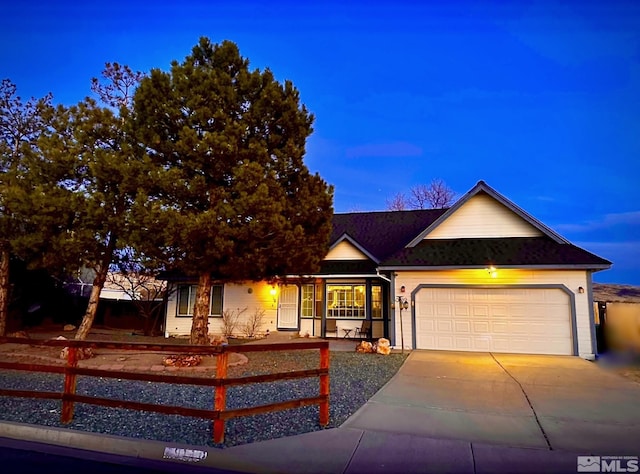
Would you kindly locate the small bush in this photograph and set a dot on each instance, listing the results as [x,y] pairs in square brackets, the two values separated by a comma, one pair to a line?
[254,323]
[230,321]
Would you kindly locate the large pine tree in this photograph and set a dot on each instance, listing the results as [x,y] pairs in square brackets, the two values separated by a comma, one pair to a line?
[86,181]
[21,123]
[231,198]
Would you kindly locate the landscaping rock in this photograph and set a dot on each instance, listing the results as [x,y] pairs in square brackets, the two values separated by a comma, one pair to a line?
[182,360]
[69,327]
[218,341]
[383,346]
[365,347]
[83,353]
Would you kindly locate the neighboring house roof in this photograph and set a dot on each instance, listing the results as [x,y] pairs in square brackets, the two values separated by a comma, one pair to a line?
[616,293]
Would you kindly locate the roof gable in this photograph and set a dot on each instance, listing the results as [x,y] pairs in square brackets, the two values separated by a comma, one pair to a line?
[381,234]
[345,248]
[484,213]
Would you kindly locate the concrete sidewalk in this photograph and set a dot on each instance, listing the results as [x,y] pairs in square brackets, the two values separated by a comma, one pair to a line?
[337,450]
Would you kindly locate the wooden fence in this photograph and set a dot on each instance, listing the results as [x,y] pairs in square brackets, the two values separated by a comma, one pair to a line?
[220,382]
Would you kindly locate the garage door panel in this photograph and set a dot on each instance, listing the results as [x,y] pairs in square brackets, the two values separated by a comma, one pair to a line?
[481,344]
[445,341]
[464,343]
[499,327]
[498,311]
[444,326]
[480,327]
[525,320]
[462,326]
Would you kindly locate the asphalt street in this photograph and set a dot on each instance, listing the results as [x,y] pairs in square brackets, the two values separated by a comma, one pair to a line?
[28,457]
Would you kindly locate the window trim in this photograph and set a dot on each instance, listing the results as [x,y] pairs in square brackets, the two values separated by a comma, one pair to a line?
[312,303]
[192,289]
[362,310]
[381,302]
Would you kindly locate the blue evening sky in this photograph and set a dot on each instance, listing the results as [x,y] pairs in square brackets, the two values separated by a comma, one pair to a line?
[540,99]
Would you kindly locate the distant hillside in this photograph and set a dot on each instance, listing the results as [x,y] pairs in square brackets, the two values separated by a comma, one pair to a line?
[616,293]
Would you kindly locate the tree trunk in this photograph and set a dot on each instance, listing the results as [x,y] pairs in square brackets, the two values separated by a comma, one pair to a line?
[4,289]
[200,323]
[94,299]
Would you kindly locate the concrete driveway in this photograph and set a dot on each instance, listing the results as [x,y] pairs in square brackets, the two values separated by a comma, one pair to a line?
[548,402]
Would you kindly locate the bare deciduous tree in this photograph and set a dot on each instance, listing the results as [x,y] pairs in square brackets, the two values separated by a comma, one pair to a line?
[147,294]
[435,195]
[398,202]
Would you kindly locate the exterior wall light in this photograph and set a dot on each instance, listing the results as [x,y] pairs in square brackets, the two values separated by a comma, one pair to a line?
[492,271]
[402,304]
[580,290]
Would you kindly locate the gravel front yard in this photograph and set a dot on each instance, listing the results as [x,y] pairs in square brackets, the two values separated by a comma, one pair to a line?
[354,379]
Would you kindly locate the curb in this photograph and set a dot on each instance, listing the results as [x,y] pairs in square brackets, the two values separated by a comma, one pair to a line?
[87,444]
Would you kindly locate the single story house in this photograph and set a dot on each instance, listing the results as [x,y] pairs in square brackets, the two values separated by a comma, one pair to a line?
[483,275]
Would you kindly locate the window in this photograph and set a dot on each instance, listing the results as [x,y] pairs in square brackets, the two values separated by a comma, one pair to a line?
[376,302]
[187,300]
[307,310]
[345,301]
[319,300]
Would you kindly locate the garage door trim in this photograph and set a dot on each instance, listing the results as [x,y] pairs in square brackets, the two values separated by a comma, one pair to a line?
[570,294]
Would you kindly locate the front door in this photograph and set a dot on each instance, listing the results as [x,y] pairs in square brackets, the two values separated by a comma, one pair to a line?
[288,307]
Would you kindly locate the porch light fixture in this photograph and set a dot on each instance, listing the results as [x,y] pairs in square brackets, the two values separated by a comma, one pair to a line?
[273,293]
[402,304]
[580,290]
[492,271]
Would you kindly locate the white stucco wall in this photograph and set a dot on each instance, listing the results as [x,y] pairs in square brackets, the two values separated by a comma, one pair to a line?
[250,295]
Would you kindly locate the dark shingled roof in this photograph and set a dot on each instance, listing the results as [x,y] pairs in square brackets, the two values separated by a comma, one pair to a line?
[514,251]
[383,233]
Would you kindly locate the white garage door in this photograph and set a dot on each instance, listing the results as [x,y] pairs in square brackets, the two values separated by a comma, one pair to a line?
[525,320]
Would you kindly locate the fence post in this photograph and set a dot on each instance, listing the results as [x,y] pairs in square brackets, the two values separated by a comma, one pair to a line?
[220,399]
[69,385]
[324,386]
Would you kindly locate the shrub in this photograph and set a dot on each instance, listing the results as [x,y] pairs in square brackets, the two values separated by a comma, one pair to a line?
[230,321]
[254,323]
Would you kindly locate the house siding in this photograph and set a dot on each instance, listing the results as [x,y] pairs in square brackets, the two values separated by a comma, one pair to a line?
[251,295]
[483,217]
[504,277]
[345,251]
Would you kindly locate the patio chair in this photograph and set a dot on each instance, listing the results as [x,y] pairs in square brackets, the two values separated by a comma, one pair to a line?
[364,331]
[331,326]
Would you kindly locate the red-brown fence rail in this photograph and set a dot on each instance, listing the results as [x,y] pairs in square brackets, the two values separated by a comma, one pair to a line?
[220,382]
